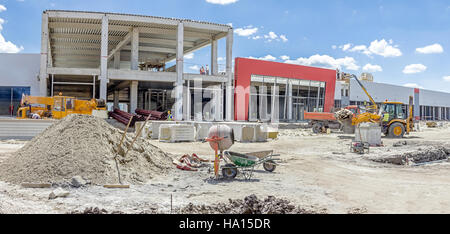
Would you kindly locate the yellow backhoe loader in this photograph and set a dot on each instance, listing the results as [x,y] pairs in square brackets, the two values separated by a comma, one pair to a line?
[395,123]
[57,107]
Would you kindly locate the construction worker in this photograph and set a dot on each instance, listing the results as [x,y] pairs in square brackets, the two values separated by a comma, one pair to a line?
[169,116]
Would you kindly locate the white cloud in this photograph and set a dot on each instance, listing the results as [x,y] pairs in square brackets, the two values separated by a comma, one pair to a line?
[431,49]
[256,37]
[285,57]
[220,59]
[189,56]
[267,58]
[345,47]
[372,68]
[194,67]
[2,8]
[221,2]
[446,78]
[246,31]
[413,85]
[385,49]
[271,36]
[334,47]
[284,38]
[326,61]
[7,46]
[382,48]
[414,68]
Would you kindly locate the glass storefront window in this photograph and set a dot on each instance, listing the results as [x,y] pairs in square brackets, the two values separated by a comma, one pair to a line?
[306,95]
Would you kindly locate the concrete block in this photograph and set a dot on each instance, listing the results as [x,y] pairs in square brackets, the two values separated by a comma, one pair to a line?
[368,133]
[247,134]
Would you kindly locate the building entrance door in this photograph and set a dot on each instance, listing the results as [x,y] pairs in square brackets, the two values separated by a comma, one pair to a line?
[297,111]
[10,98]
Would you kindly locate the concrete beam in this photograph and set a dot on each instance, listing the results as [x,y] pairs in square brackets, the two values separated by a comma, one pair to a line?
[73,71]
[86,37]
[230,85]
[88,26]
[178,113]
[119,46]
[153,49]
[104,59]
[69,14]
[214,54]
[196,47]
[130,75]
[134,49]
[165,42]
[116,99]
[44,56]
[133,96]
[117,60]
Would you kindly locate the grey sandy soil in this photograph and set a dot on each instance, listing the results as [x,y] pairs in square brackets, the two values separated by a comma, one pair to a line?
[317,171]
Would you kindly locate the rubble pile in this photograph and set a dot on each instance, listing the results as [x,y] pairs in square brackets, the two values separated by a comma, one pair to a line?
[429,154]
[94,210]
[250,205]
[343,114]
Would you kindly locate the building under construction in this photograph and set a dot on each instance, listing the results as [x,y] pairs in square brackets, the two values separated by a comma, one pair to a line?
[136,61]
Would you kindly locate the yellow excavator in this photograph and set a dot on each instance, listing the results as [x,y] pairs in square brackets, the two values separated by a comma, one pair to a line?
[57,107]
[395,123]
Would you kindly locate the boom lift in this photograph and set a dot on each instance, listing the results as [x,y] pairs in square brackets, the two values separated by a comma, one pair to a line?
[57,107]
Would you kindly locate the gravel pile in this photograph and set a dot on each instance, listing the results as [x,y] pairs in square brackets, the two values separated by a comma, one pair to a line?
[83,145]
[250,205]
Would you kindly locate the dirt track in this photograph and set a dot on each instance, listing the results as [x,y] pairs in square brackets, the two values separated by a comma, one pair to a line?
[317,171]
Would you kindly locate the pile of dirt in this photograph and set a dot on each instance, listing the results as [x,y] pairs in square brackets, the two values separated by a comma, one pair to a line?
[250,205]
[82,145]
[422,155]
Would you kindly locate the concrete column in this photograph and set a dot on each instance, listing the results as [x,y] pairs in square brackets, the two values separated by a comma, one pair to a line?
[289,101]
[178,112]
[104,59]
[133,96]
[275,110]
[230,83]
[116,99]
[187,102]
[44,56]
[117,60]
[135,49]
[214,54]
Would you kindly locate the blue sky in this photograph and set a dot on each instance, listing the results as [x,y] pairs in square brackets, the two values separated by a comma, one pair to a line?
[399,42]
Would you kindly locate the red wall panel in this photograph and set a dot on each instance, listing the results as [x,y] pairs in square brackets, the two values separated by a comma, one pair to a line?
[244,68]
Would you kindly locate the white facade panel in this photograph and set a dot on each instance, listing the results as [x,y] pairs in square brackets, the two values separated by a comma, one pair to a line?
[380,92]
[434,98]
[20,70]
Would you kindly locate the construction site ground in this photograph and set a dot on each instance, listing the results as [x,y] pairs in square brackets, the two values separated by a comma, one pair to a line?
[317,172]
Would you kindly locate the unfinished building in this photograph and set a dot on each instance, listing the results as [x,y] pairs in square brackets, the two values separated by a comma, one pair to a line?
[124,58]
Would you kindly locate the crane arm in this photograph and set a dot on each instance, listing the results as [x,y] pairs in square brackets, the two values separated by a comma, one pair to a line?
[375,106]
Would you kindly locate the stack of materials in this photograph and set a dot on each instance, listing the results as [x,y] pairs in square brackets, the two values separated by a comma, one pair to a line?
[189,162]
[344,117]
[154,115]
[123,117]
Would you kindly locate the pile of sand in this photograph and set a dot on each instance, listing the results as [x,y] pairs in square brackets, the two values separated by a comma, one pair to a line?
[82,145]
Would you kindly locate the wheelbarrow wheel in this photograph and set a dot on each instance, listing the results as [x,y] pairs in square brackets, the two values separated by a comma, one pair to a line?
[229,171]
[269,166]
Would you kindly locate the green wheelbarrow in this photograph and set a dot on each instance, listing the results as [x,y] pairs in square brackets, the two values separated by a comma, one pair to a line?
[245,163]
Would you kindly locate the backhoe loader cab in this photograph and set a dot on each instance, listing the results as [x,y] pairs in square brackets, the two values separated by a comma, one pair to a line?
[394,121]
